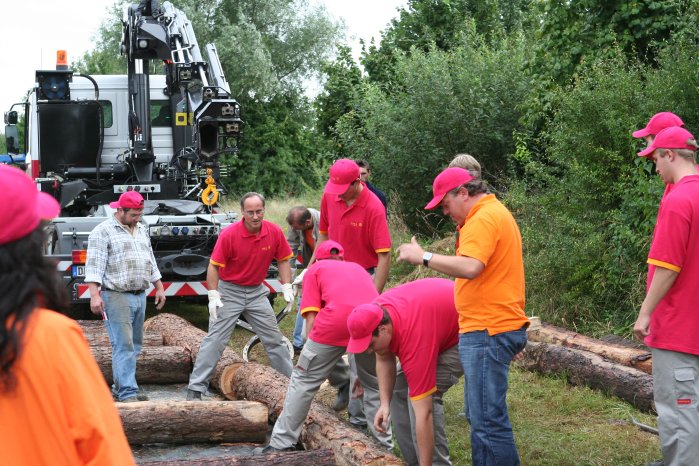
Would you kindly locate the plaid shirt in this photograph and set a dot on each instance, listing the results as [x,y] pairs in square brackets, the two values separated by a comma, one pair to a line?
[118,260]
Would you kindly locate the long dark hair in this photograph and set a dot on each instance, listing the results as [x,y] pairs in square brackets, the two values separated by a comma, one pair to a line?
[27,280]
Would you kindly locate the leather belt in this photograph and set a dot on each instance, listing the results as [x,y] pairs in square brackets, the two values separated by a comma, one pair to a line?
[125,291]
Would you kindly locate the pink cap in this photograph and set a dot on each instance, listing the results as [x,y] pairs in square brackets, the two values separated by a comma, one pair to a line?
[449,179]
[342,174]
[23,206]
[361,323]
[657,123]
[328,249]
[128,200]
[670,138]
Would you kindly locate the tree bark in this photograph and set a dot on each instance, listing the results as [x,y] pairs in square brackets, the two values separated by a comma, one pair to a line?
[322,428]
[181,422]
[156,365]
[631,357]
[585,368]
[286,458]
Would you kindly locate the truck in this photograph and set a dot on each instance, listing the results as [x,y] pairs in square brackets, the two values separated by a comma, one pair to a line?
[87,139]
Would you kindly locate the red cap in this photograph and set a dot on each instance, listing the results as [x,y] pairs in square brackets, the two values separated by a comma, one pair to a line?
[342,174]
[128,200]
[328,249]
[23,206]
[657,123]
[361,323]
[670,138]
[449,179]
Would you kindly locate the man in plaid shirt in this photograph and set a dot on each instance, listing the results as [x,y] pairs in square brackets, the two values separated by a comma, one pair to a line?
[120,259]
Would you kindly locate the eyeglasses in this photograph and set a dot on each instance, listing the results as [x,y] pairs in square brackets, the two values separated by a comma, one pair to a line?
[252,213]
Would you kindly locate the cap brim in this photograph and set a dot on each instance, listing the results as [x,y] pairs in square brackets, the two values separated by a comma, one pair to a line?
[434,202]
[647,152]
[641,133]
[334,188]
[358,345]
[47,206]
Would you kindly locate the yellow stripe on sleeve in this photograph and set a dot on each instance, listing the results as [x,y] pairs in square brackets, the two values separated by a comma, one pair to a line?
[424,395]
[665,265]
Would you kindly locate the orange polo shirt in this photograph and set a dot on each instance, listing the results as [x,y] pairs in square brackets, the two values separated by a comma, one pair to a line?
[362,228]
[493,301]
[243,257]
[61,411]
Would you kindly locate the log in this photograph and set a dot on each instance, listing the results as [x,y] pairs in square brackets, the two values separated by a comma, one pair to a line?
[182,422]
[631,357]
[286,458]
[96,334]
[239,380]
[156,364]
[585,368]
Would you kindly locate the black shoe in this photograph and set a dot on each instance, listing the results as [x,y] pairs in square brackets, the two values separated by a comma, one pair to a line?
[193,395]
[342,398]
[270,449]
[140,396]
[131,399]
[359,426]
[297,350]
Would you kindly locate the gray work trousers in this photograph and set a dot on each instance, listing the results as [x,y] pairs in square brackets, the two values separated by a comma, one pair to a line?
[316,363]
[449,370]
[252,303]
[676,392]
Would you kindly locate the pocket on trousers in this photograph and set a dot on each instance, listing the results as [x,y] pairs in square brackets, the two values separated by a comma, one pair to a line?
[305,359]
[685,387]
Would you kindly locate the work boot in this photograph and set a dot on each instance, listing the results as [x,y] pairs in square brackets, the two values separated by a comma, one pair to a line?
[193,395]
[342,398]
[269,449]
[141,396]
[131,399]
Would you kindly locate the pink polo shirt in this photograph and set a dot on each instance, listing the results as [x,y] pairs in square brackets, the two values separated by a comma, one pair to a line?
[674,324]
[425,324]
[244,258]
[333,288]
[362,228]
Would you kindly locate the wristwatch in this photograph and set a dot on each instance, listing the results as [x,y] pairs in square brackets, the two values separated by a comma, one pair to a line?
[426,257]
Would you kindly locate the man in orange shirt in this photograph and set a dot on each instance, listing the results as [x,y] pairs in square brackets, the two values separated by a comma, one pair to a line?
[489,297]
[55,407]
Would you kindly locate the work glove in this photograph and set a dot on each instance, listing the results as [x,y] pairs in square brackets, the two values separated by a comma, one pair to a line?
[299,278]
[214,302]
[288,292]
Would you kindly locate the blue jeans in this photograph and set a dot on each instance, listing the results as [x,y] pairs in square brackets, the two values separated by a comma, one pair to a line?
[125,314]
[298,330]
[486,361]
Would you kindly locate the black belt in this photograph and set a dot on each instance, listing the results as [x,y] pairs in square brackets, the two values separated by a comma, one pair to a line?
[125,291]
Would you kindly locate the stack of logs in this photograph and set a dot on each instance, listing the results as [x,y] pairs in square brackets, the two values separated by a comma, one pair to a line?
[615,369]
[169,347]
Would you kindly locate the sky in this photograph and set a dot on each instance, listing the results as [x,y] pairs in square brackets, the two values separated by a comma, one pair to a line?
[31,31]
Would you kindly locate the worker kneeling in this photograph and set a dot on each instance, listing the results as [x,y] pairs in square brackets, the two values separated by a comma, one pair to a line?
[418,324]
[332,288]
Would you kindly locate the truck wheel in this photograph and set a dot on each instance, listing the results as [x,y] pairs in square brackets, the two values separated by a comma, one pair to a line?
[254,351]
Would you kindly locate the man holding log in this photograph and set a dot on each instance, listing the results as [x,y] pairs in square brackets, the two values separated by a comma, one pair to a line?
[416,323]
[238,265]
[489,298]
[668,321]
[332,288]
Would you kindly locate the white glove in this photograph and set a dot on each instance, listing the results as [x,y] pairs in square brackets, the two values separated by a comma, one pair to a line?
[299,278]
[214,302]
[288,292]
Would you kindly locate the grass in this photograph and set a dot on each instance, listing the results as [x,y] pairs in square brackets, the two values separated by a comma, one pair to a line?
[554,423]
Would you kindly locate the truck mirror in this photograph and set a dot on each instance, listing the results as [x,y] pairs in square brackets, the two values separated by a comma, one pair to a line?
[11,117]
[12,139]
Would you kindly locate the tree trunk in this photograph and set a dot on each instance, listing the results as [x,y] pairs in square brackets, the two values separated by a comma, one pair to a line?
[96,334]
[631,357]
[322,428]
[156,364]
[184,422]
[585,368]
[286,458]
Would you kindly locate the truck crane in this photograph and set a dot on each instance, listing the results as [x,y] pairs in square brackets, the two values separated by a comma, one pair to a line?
[87,139]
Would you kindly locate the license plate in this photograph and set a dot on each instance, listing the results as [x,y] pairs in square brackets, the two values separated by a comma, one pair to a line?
[78,271]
